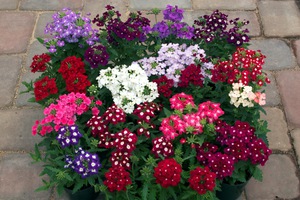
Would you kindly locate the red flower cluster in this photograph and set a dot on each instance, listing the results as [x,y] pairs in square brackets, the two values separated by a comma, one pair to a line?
[73,72]
[114,115]
[191,74]
[117,178]
[39,63]
[44,87]
[202,180]
[244,67]
[167,172]
[163,147]
[164,85]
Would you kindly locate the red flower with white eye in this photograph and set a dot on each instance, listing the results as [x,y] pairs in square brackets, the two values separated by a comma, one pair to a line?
[163,147]
[120,158]
[125,140]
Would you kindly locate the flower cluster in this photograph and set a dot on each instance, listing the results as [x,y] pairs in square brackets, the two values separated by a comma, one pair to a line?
[39,62]
[44,88]
[202,180]
[97,55]
[117,178]
[68,136]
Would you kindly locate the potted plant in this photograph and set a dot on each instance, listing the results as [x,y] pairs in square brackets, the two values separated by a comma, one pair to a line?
[170,111]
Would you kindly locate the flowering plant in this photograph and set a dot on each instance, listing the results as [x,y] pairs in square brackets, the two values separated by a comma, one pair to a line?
[141,112]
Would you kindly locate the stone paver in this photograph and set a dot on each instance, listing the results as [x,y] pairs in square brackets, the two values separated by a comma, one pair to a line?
[220,4]
[9,71]
[289,87]
[279,180]
[14,35]
[278,135]
[272,94]
[278,53]
[149,4]
[280,18]
[296,45]
[43,20]
[50,4]
[8,4]
[16,129]
[19,178]
[296,142]
[36,48]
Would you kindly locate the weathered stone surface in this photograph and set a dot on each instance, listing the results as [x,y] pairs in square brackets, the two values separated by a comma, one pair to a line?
[296,45]
[271,90]
[253,26]
[16,129]
[289,87]
[149,4]
[278,53]
[15,35]
[9,70]
[278,137]
[36,48]
[19,178]
[280,18]
[296,141]
[43,20]
[220,4]
[279,180]
[50,4]
[8,4]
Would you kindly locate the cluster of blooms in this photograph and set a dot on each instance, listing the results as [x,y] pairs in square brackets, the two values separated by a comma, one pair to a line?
[244,67]
[86,164]
[96,55]
[171,25]
[167,172]
[129,85]
[215,27]
[68,135]
[39,62]
[171,60]
[241,95]
[73,72]
[162,146]
[62,113]
[241,143]
[129,30]
[117,178]
[70,27]
[44,88]
[202,180]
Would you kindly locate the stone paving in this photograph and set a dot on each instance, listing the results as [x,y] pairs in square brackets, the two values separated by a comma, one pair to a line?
[274,26]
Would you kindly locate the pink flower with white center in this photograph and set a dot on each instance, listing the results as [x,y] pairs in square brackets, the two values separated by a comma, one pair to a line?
[210,111]
[193,120]
[180,101]
[260,98]
[172,127]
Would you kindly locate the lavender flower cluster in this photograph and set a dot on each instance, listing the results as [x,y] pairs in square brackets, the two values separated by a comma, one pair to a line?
[84,163]
[68,136]
[214,26]
[70,27]
[172,59]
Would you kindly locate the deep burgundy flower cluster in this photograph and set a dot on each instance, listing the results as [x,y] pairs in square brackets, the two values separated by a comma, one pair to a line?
[97,56]
[214,26]
[202,180]
[73,72]
[68,135]
[129,30]
[162,146]
[39,62]
[167,172]
[117,178]
[44,88]
[191,75]
[164,86]
[245,67]
[86,164]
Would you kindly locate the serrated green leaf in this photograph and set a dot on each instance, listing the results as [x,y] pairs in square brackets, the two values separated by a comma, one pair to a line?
[145,191]
[257,174]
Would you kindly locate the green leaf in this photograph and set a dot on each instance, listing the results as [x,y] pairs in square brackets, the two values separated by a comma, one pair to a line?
[145,191]
[77,186]
[257,174]
[167,112]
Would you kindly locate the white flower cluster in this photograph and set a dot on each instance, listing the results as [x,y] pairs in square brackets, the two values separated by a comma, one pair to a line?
[241,95]
[129,85]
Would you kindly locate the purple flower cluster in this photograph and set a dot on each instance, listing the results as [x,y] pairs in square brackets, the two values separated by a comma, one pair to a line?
[214,26]
[70,27]
[96,55]
[173,14]
[68,135]
[85,163]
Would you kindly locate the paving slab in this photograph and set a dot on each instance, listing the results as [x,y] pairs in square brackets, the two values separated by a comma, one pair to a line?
[9,4]
[253,26]
[16,129]
[280,18]
[296,142]
[19,178]
[279,180]
[289,87]
[150,4]
[50,4]
[224,5]
[36,48]
[296,46]
[10,67]
[271,90]
[14,35]
[278,54]
[278,135]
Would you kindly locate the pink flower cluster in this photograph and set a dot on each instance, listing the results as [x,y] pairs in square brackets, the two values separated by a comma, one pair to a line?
[62,113]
